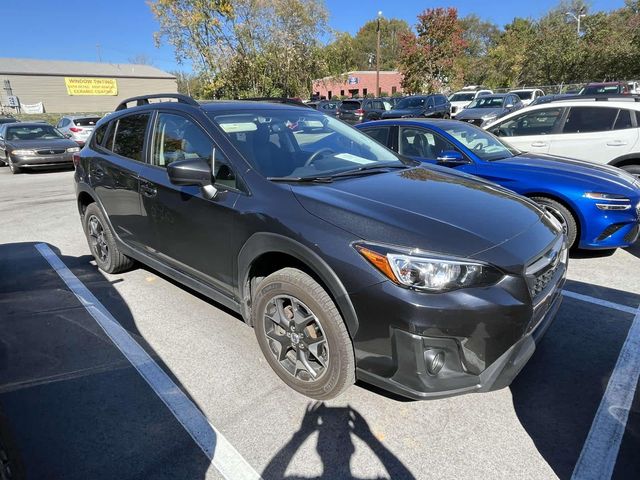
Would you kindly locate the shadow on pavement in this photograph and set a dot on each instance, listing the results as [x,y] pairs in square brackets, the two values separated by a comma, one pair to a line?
[634,249]
[71,405]
[335,427]
[557,394]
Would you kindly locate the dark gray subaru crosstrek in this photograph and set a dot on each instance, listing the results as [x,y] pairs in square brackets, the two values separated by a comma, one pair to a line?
[348,260]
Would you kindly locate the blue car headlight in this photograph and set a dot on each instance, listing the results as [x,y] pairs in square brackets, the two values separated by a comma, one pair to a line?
[614,201]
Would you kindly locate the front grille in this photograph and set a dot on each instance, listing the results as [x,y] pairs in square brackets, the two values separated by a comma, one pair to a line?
[50,151]
[541,271]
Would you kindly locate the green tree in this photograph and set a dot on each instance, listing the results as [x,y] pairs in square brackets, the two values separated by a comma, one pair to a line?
[365,42]
[480,37]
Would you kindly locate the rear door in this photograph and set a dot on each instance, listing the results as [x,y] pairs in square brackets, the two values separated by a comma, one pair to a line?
[596,134]
[531,131]
[191,233]
[113,174]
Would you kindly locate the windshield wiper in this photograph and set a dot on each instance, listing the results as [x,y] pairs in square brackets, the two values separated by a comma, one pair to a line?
[364,170]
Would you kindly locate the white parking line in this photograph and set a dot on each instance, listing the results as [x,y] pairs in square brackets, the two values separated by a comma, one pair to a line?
[221,453]
[597,301]
[600,450]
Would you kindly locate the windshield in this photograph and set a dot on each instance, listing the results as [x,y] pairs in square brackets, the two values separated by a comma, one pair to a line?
[524,95]
[411,102]
[482,143]
[293,143]
[462,97]
[487,102]
[33,132]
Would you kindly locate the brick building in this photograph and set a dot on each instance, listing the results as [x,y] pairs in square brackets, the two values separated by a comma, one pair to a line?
[357,84]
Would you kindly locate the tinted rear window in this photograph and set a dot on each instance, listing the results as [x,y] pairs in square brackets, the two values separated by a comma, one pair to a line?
[86,122]
[129,141]
[350,105]
[590,119]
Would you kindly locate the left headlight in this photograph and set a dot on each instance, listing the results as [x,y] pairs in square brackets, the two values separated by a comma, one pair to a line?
[73,149]
[23,152]
[429,273]
[617,202]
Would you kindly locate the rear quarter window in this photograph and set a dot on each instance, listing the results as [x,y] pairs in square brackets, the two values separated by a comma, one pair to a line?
[98,135]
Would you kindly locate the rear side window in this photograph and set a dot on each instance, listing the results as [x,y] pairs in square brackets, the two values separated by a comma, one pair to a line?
[98,134]
[379,134]
[590,119]
[129,136]
[86,122]
[623,121]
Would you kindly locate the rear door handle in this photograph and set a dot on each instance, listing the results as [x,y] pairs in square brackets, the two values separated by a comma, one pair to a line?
[616,143]
[539,144]
[148,190]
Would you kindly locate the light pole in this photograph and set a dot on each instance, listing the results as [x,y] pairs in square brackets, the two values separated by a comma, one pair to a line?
[576,18]
[378,57]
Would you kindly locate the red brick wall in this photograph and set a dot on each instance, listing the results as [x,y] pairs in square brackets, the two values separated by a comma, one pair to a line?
[366,81]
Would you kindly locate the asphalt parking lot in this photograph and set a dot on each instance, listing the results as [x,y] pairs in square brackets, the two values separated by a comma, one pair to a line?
[163,383]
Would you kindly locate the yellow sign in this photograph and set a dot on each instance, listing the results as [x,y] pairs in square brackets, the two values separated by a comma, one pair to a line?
[91,86]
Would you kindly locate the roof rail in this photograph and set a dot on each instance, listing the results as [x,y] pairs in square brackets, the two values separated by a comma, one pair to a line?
[598,98]
[286,101]
[144,100]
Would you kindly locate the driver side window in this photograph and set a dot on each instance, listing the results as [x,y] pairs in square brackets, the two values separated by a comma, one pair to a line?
[538,122]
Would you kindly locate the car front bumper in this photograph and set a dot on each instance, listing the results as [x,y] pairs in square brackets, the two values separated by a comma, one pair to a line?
[36,161]
[483,336]
[610,229]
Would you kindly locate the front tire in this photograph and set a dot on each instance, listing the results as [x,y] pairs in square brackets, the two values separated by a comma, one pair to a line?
[13,167]
[563,215]
[302,334]
[102,242]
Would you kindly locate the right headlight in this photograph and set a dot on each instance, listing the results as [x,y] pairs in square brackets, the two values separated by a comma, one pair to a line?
[429,273]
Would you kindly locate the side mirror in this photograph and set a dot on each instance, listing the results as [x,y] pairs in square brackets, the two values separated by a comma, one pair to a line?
[509,105]
[430,107]
[193,172]
[451,158]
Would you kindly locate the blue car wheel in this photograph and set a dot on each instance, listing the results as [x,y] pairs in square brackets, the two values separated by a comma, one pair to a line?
[562,214]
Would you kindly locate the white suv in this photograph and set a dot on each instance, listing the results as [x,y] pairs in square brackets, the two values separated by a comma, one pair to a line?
[605,131]
[464,97]
[528,95]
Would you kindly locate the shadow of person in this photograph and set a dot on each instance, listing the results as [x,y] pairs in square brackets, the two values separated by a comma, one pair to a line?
[336,427]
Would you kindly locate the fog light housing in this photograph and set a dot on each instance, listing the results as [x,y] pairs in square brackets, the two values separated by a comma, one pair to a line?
[434,360]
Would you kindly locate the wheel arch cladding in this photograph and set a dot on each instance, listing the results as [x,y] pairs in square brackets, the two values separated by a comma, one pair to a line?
[265,253]
[84,200]
[626,160]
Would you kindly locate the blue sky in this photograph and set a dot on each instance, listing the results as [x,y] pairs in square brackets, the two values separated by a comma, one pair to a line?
[71,29]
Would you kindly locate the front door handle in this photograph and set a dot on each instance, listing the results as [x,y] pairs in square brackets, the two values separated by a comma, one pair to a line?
[539,144]
[148,190]
[616,143]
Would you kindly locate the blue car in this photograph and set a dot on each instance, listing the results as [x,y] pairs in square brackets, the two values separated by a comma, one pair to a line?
[598,206]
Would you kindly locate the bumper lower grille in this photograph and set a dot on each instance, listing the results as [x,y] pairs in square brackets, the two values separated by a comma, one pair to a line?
[610,230]
[541,271]
[51,151]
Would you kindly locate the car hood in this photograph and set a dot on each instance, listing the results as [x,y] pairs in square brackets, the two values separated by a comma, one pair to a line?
[38,144]
[433,210]
[602,178]
[469,113]
[402,112]
[460,104]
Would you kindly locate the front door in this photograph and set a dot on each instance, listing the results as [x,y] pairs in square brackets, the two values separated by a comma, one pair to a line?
[531,131]
[191,233]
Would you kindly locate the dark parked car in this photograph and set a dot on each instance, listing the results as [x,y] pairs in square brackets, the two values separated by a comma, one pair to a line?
[435,106]
[362,110]
[329,107]
[486,109]
[348,260]
[34,145]
[8,120]
[606,88]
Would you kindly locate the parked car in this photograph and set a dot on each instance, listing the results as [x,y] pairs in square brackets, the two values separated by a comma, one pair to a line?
[34,145]
[528,95]
[597,206]
[464,97]
[8,120]
[434,105]
[362,110]
[488,108]
[329,107]
[77,127]
[605,88]
[552,98]
[605,130]
[349,260]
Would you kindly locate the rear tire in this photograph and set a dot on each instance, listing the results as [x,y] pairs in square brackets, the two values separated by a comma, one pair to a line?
[563,215]
[302,334]
[102,242]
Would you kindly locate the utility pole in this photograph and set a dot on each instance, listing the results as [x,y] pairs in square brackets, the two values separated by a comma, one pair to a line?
[576,18]
[378,58]
[98,53]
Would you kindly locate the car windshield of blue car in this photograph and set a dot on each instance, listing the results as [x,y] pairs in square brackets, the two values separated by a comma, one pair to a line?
[480,142]
[487,102]
[299,144]
[411,102]
[33,132]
